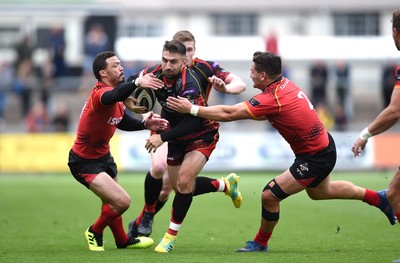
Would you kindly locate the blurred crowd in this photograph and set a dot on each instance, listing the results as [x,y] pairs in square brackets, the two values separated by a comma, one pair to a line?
[34,86]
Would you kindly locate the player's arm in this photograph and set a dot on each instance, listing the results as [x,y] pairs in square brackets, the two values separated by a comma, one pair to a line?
[218,112]
[188,125]
[118,93]
[124,90]
[385,120]
[232,84]
[388,117]
[129,123]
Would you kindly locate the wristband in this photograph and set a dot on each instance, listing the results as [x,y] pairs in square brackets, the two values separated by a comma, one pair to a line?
[365,134]
[194,110]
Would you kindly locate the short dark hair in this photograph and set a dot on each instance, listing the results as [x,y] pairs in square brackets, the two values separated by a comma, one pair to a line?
[99,62]
[396,19]
[267,62]
[174,46]
[183,36]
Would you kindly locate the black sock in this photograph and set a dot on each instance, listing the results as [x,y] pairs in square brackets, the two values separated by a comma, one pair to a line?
[204,185]
[152,189]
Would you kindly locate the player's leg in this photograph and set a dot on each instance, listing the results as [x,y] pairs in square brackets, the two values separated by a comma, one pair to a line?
[393,194]
[273,193]
[186,173]
[115,202]
[142,225]
[342,189]
[165,192]
[228,184]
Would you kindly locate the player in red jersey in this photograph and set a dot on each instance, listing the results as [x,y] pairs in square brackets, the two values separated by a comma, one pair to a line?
[289,111]
[385,120]
[90,160]
[157,184]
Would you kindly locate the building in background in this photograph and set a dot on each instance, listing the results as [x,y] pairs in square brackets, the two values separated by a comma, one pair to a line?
[228,31]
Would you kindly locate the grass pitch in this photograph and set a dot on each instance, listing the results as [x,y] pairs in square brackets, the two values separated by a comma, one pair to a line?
[43,218]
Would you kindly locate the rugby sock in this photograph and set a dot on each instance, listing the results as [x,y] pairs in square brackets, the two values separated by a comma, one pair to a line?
[106,217]
[205,185]
[371,197]
[397,216]
[160,205]
[117,229]
[152,189]
[139,218]
[180,207]
[262,237]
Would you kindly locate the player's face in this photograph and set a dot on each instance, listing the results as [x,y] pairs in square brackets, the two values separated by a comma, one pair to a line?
[396,38]
[190,50]
[114,71]
[257,78]
[172,64]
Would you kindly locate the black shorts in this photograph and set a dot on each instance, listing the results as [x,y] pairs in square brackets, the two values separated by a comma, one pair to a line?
[311,170]
[85,170]
[204,143]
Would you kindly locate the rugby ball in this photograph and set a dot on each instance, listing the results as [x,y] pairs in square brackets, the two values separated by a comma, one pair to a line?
[145,97]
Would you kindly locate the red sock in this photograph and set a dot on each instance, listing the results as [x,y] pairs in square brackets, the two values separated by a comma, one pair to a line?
[397,216]
[139,218]
[262,237]
[117,228]
[216,184]
[172,232]
[150,208]
[371,197]
[106,217]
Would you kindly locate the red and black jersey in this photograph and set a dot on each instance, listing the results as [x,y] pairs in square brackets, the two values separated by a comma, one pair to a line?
[204,70]
[289,110]
[185,85]
[97,124]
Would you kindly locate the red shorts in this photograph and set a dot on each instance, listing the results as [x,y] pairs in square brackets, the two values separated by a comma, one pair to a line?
[205,144]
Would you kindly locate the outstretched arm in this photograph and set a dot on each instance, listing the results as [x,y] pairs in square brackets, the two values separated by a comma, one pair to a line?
[232,85]
[385,120]
[218,112]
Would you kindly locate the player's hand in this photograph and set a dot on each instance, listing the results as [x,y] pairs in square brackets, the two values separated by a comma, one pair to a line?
[131,104]
[150,81]
[217,83]
[179,104]
[359,146]
[154,122]
[153,142]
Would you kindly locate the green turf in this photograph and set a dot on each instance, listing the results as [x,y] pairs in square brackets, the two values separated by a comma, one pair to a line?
[43,218]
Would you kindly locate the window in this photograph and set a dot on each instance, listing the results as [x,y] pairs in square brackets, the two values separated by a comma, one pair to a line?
[234,25]
[356,24]
[140,28]
[9,36]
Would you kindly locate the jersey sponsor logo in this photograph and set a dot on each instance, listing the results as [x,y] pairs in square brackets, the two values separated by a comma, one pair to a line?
[114,121]
[254,102]
[189,93]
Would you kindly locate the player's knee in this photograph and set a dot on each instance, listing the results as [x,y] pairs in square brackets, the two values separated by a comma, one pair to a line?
[275,190]
[123,203]
[164,196]
[158,169]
